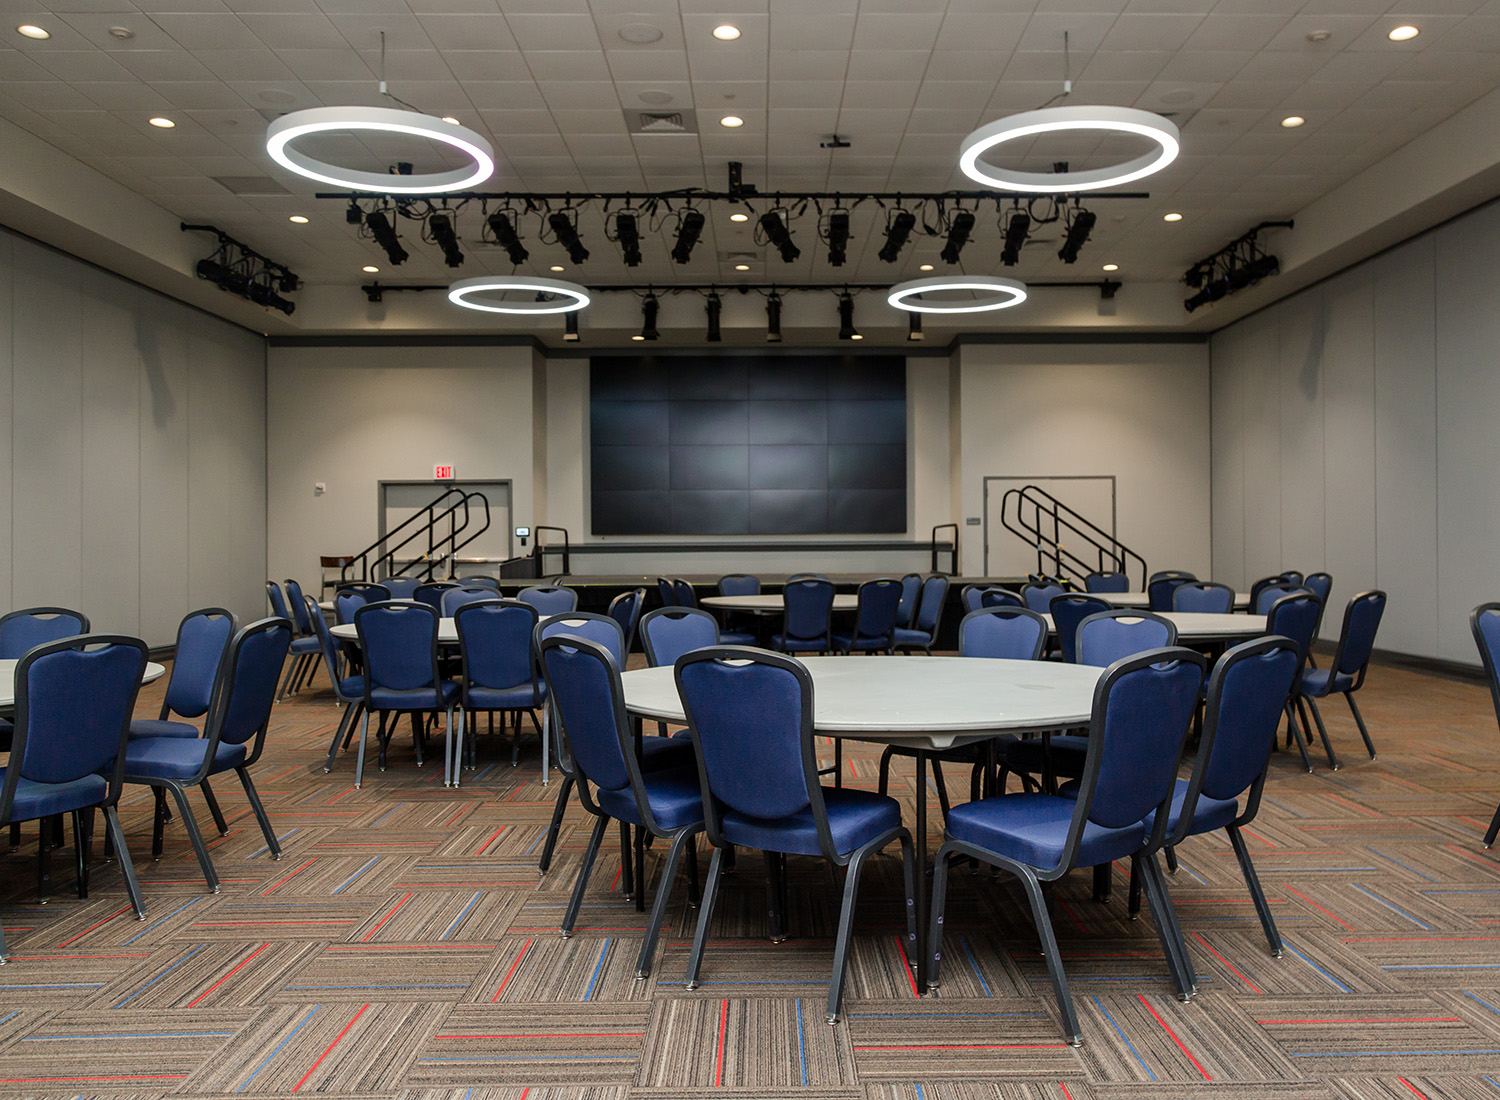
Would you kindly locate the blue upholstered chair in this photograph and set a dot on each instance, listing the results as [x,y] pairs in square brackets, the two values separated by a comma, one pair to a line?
[1264,596]
[348,690]
[399,642]
[971,597]
[233,737]
[349,598]
[451,599]
[1321,586]
[686,596]
[401,588]
[1004,633]
[1142,708]
[911,586]
[277,600]
[808,627]
[431,593]
[1106,582]
[1067,611]
[1291,576]
[304,650]
[1000,597]
[73,699]
[739,629]
[923,632]
[1161,590]
[498,675]
[750,713]
[739,584]
[202,638]
[625,609]
[1166,574]
[1296,616]
[666,591]
[1484,621]
[1204,597]
[1039,595]
[874,619]
[583,681]
[479,580]
[34,626]
[1351,660]
[669,632]
[549,600]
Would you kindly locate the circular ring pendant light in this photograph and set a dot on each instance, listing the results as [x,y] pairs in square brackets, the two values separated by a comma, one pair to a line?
[386,120]
[997,293]
[1049,120]
[462,293]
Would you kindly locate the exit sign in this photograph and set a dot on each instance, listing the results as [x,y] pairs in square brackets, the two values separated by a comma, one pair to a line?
[442,473]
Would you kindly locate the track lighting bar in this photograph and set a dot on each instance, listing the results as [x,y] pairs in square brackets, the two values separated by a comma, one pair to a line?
[773,291]
[774,198]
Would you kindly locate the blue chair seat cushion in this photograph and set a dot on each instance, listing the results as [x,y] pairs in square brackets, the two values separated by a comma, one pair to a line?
[177,758]
[907,636]
[1319,682]
[675,795]
[1033,829]
[847,642]
[661,753]
[309,644]
[34,800]
[854,817]
[737,637]
[352,687]
[1068,752]
[441,698]
[511,698]
[799,645]
[161,727]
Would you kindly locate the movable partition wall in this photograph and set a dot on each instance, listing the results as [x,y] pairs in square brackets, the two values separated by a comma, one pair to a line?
[718,445]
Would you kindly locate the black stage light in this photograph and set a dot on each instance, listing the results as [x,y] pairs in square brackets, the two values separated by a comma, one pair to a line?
[441,227]
[263,294]
[1016,231]
[838,237]
[570,327]
[567,235]
[628,235]
[958,236]
[236,282]
[1263,267]
[776,232]
[688,231]
[212,270]
[1195,276]
[714,308]
[649,309]
[385,236]
[897,230]
[914,327]
[507,238]
[1078,232]
[773,318]
[354,215]
[847,330]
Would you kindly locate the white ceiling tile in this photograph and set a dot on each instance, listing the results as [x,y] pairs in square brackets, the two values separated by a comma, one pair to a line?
[1235,32]
[1274,65]
[1124,65]
[295,31]
[969,64]
[469,65]
[869,120]
[827,94]
[506,94]
[888,64]
[925,120]
[258,64]
[605,150]
[730,95]
[566,64]
[631,92]
[792,66]
[813,31]
[1344,29]
[552,31]
[890,31]
[1151,32]
[647,65]
[573,121]
[890,95]
[520,121]
[208,31]
[325,65]
[1086,30]
[618,30]
[579,94]
[199,95]
[66,65]
[153,65]
[96,26]
[962,30]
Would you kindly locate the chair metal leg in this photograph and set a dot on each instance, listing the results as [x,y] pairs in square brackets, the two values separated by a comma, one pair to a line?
[213,808]
[359,758]
[694,895]
[885,768]
[195,837]
[775,891]
[1168,931]
[453,747]
[1333,761]
[584,871]
[419,738]
[682,840]
[1296,731]
[627,865]
[1257,895]
[838,761]
[556,827]
[1359,720]
[846,926]
[260,812]
[1044,932]
[15,835]
[705,917]
[286,684]
[159,822]
[546,746]
[82,835]
[1133,906]
[1489,834]
[640,869]
[359,708]
[942,788]
[340,734]
[1171,854]
[122,853]
[1102,884]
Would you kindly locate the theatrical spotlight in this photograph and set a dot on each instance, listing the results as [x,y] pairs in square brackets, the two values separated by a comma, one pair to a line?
[570,326]
[847,330]
[354,215]
[1240,263]
[1016,231]
[650,307]
[714,308]
[689,228]
[776,232]
[836,236]
[914,326]
[566,232]
[958,236]
[385,236]
[628,237]
[241,270]
[773,318]
[1079,228]
[897,230]
[441,228]
[507,238]
[263,294]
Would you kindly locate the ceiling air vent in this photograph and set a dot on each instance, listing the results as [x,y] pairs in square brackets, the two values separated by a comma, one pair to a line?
[250,185]
[660,122]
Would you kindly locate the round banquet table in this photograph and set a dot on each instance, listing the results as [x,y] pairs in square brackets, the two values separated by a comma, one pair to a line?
[768,603]
[1202,626]
[153,672]
[923,703]
[447,632]
[1141,599]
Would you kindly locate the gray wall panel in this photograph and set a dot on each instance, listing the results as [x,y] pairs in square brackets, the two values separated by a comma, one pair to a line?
[6,415]
[1262,499]
[1228,485]
[1301,438]
[162,347]
[1349,425]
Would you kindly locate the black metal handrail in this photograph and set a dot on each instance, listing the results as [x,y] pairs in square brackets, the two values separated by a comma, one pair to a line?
[952,549]
[1042,521]
[428,520]
[539,551]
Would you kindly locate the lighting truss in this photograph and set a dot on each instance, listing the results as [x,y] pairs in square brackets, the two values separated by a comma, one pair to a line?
[1240,263]
[239,269]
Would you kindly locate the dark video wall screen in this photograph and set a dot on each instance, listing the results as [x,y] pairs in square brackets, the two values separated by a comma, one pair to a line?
[743,446]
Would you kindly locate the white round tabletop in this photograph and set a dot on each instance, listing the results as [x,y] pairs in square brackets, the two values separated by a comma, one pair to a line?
[447,632]
[153,672]
[1199,626]
[926,702]
[771,602]
[1141,599]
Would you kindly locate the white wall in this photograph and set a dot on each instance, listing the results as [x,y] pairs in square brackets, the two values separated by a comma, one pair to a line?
[1354,431]
[1138,412]
[132,454]
[353,416]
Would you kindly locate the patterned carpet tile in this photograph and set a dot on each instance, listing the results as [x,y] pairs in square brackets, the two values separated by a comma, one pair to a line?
[485,1044]
[738,1042]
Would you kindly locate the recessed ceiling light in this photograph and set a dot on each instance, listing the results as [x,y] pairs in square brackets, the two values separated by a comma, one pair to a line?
[31,30]
[739,217]
[298,218]
[726,32]
[1403,33]
[125,34]
[450,120]
[1172,217]
[557,267]
[1111,267]
[1291,122]
[640,33]
[163,123]
[925,267]
[857,336]
[731,121]
[638,336]
[370,269]
[742,267]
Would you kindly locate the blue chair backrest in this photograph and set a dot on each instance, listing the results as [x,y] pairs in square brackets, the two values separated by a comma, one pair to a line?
[625,609]
[1246,693]
[549,601]
[431,594]
[454,598]
[686,597]
[1320,584]
[1000,597]
[930,606]
[247,692]
[73,707]
[1204,597]
[1009,633]
[1291,576]
[1270,594]
[1484,621]
[202,637]
[495,637]
[878,602]
[808,606]
[667,591]
[1164,574]
[34,626]
[401,588]
[1106,582]
[1038,597]
[1357,639]
[1110,636]
[399,640]
[328,645]
[971,598]
[599,629]
[347,602]
[1068,610]
[278,601]
[300,622]
[669,632]
[739,584]
[584,685]
[911,584]
[751,725]
[479,580]
[1295,616]
[1160,591]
